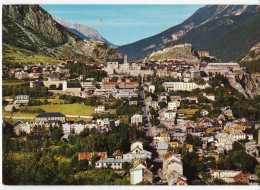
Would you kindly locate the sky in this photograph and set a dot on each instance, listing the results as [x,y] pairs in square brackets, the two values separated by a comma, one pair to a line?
[124,24]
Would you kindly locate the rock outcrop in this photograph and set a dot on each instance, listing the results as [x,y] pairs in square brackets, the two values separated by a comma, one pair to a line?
[31,27]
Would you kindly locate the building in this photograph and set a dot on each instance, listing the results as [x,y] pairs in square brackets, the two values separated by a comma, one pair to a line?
[226,175]
[184,86]
[126,95]
[21,75]
[151,88]
[138,175]
[88,155]
[209,96]
[100,109]
[71,86]
[173,105]
[115,164]
[46,116]
[136,119]
[169,114]
[162,149]
[22,99]
[137,152]
[222,68]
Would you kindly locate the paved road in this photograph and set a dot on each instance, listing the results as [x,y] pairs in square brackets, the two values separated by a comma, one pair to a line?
[74,116]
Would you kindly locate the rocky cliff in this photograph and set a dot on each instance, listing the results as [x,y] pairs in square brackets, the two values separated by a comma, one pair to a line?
[31,27]
[247,84]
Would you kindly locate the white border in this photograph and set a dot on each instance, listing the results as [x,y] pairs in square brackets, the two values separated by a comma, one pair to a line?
[202,2]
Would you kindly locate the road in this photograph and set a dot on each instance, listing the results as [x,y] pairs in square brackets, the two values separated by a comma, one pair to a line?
[144,109]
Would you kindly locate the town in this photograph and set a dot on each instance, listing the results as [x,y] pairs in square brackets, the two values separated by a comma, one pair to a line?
[147,122]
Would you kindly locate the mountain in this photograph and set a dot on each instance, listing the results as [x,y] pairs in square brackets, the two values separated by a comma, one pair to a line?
[202,16]
[31,28]
[84,32]
[226,37]
[251,59]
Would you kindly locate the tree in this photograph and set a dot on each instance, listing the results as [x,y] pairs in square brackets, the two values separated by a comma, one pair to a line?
[57,133]
[82,165]
[237,146]
[14,109]
[162,105]
[217,181]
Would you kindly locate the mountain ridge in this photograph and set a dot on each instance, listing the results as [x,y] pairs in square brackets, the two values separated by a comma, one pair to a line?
[31,27]
[82,31]
[143,48]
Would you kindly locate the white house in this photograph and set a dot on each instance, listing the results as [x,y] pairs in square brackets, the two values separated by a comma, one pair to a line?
[137,151]
[169,114]
[136,175]
[115,164]
[136,119]
[238,135]
[173,105]
[99,109]
[151,88]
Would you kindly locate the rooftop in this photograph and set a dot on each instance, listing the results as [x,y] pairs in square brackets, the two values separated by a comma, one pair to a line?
[50,114]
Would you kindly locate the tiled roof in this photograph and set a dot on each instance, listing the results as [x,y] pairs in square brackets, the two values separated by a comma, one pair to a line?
[88,155]
[117,153]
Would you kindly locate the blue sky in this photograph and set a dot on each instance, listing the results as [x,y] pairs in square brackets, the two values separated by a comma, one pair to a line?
[123,24]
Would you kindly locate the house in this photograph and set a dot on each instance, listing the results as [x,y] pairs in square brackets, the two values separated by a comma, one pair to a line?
[169,114]
[17,127]
[161,137]
[71,86]
[21,75]
[162,149]
[138,175]
[136,119]
[137,152]
[151,88]
[67,129]
[209,96]
[226,175]
[88,155]
[114,163]
[118,154]
[99,109]
[173,105]
[228,144]
[179,137]
[245,178]
[45,116]
[238,135]
[251,148]
[79,126]
[132,102]
[178,180]
[22,99]
[126,95]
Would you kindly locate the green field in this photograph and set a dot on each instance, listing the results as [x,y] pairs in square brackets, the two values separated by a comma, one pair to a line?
[187,111]
[13,54]
[67,109]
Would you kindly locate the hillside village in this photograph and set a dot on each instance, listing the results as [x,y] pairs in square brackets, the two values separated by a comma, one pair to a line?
[180,118]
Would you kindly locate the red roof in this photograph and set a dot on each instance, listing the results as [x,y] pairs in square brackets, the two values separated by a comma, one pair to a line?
[88,155]
[210,94]
[111,82]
